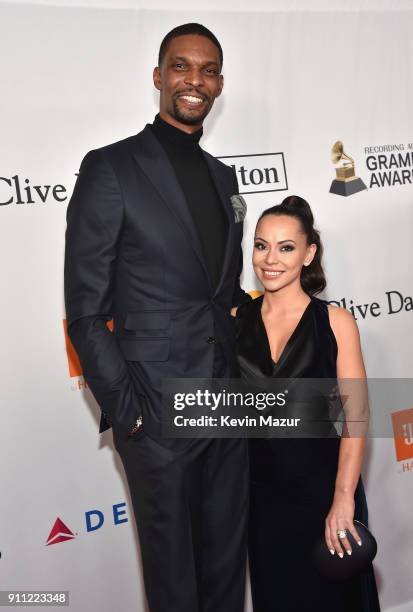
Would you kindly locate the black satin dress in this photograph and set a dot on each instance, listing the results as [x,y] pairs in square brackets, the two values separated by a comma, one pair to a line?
[293,479]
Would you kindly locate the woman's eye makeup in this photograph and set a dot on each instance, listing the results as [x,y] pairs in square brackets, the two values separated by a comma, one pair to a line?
[284,248]
[260,246]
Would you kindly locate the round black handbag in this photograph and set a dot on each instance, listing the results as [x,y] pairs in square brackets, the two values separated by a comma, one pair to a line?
[336,568]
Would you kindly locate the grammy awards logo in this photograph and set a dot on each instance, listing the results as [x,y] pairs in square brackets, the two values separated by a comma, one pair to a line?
[403,433]
[346,182]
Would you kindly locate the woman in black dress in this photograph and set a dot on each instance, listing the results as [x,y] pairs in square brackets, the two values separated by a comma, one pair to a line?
[301,489]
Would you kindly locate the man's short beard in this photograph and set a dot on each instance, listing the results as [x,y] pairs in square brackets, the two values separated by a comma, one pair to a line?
[189,119]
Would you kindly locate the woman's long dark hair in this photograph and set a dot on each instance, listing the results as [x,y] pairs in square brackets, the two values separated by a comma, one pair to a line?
[313,279]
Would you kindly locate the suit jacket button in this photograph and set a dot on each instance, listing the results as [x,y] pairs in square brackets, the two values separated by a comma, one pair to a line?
[211,340]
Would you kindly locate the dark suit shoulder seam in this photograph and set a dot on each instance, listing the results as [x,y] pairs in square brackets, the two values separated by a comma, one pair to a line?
[124,142]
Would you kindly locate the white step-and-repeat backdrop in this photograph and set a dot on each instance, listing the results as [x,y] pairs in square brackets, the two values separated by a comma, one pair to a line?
[78,75]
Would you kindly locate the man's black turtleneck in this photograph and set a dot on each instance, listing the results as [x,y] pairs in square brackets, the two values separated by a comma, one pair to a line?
[193,175]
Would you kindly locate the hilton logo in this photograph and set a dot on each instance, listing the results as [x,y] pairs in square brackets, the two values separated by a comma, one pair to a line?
[259,173]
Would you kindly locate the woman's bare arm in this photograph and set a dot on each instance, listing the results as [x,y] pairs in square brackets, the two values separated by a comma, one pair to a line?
[350,365]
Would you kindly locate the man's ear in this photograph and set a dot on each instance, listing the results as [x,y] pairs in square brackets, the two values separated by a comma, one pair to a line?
[221,85]
[157,77]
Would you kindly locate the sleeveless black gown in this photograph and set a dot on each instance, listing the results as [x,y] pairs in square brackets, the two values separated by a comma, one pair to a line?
[292,480]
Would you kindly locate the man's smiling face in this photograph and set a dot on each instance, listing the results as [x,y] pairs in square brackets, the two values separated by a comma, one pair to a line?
[189,80]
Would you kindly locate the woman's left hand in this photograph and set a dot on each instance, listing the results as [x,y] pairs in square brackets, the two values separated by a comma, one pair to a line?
[340,518]
[233,311]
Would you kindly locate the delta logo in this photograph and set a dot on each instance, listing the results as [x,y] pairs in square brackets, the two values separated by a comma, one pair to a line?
[59,533]
[94,520]
[403,436]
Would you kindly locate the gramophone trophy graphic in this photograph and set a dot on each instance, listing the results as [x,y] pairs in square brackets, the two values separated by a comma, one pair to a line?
[346,182]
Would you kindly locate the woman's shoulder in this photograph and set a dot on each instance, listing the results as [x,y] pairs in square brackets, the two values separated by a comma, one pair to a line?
[339,315]
[342,321]
[246,312]
[248,307]
[345,329]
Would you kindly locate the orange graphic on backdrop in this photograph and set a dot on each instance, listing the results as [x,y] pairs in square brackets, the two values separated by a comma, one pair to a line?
[403,433]
[255,294]
[75,369]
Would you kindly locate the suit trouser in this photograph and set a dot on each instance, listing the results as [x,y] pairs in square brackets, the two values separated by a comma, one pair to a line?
[191,512]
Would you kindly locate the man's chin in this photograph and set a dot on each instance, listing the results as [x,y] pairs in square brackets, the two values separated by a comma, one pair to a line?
[191,117]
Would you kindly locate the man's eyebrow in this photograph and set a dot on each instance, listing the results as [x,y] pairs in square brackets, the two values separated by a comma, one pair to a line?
[185,59]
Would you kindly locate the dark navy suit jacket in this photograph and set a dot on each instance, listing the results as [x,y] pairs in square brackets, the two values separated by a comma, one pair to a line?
[133,255]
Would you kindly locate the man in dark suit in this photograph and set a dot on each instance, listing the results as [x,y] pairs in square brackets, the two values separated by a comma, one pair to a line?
[152,242]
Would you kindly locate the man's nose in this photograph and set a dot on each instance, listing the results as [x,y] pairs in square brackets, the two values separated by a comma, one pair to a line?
[194,77]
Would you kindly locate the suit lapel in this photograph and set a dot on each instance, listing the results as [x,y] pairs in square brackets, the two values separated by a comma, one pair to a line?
[155,163]
[222,190]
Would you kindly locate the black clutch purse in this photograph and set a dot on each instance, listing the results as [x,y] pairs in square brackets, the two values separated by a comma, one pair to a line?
[334,568]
